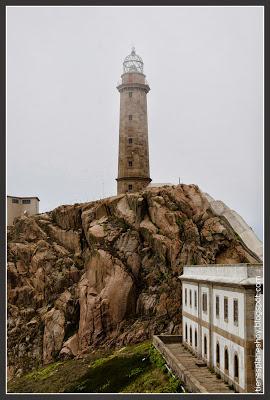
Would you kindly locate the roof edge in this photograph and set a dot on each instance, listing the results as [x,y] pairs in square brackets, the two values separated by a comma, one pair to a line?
[24,197]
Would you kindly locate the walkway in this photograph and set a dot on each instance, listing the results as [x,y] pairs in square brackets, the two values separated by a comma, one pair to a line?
[196,378]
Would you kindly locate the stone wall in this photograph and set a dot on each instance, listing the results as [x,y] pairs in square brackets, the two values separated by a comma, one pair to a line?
[190,382]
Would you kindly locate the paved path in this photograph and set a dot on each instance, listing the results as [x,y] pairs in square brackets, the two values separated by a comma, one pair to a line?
[206,378]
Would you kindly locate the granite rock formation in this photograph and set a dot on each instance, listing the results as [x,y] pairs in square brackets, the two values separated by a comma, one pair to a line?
[105,273]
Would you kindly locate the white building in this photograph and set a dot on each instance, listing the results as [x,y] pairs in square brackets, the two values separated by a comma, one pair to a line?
[17,206]
[218,309]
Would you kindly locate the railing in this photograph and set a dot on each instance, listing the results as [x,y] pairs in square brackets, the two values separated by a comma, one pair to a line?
[120,83]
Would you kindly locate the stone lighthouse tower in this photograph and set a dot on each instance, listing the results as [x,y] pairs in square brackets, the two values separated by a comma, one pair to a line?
[133,158]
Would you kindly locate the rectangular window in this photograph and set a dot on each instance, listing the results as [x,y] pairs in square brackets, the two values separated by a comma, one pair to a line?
[26,201]
[226,308]
[185,296]
[130,163]
[129,187]
[130,140]
[195,298]
[217,306]
[190,298]
[235,311]
[130,94]
[16,201]
[205,346]
[130,117]
[204,298]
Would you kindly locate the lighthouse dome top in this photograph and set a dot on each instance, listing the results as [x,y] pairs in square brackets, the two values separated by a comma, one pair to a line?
[133,63]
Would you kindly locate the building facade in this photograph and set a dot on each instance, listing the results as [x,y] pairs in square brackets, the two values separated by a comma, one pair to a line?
[17,206]
[133,157]
[218,309]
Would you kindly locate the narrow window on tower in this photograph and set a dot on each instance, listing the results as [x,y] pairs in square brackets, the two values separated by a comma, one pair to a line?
[130,140]
[130,94]
[129,187]
[130,163]
[130,117]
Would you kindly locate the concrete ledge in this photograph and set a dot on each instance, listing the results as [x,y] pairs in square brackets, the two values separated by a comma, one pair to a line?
[170,338]
[238,224]
[191,383]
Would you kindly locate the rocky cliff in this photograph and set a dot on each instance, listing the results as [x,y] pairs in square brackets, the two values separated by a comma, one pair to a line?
[105,273]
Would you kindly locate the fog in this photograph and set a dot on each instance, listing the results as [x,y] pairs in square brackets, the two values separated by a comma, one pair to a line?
[204,66]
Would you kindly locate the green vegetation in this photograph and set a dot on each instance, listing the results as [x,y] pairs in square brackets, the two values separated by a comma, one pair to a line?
[157,359]
[132,369]
[122,224]
[180,221]
[44,373]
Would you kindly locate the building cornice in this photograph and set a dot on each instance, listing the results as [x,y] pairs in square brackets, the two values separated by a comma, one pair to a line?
[129,178]
[23,198]
[244,283]
[130,86]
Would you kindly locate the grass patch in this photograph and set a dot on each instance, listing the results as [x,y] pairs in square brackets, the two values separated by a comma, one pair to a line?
[132,369]
[43,373]
[112,374]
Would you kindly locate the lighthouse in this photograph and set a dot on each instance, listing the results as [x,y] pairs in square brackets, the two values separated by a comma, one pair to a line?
[133,157]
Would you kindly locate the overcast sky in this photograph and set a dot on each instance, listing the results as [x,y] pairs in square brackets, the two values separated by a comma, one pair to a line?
[205,108]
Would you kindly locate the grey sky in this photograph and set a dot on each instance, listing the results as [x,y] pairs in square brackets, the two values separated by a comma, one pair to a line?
[205,108]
